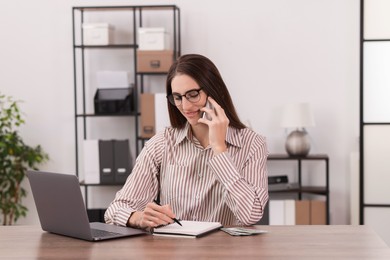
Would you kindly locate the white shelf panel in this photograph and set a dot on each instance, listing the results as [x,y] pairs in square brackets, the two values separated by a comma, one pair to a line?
[376,164]
[376,82]
[377,19]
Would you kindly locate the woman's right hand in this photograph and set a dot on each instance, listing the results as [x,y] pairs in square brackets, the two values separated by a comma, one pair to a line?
[153,216]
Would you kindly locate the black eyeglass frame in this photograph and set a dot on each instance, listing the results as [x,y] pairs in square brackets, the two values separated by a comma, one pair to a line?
[171,99]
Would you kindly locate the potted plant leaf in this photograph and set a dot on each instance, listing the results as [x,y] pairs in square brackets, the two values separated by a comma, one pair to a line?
[15,158]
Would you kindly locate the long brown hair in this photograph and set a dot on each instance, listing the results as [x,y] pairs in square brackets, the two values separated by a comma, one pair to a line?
[207,76]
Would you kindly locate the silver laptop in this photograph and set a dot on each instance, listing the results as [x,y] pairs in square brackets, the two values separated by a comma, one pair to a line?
[61,209]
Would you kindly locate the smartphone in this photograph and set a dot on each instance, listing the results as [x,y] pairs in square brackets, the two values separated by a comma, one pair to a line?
[205,115]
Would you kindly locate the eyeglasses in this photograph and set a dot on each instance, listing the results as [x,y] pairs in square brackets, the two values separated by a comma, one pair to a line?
[192,95]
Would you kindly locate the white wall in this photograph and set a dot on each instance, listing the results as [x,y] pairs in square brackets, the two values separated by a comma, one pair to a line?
[270,52]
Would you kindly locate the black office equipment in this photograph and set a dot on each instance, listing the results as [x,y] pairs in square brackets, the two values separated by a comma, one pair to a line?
[122,160]
[106,161]
[277,179]
[111,101]
[114,161]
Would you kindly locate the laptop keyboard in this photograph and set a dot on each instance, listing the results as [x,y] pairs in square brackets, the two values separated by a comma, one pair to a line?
[102,233]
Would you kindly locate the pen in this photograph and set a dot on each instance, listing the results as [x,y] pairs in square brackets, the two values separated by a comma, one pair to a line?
[174,219]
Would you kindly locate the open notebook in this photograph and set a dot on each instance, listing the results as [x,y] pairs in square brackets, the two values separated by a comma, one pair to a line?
[188,229]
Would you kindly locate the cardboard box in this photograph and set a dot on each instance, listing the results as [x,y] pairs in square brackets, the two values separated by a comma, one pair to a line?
[153,38]
[97,34]
[154,114]
[318,212]
[154,61]
[302,212]
[310,212]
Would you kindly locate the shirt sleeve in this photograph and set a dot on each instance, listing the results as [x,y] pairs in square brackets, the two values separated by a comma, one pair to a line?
[247,186]
[141,186]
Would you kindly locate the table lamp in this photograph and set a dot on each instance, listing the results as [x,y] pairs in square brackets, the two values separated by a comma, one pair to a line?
[298,116]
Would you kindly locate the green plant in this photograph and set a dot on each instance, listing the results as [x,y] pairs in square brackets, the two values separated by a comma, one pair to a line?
[15,158]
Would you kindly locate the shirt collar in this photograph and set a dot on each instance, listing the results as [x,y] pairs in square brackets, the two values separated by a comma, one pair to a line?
[183,133]
[233,136]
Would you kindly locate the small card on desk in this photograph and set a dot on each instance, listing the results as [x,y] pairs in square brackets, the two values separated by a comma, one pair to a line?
[188,229]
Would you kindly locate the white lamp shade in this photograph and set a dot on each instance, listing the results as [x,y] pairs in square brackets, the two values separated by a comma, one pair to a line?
[297,115]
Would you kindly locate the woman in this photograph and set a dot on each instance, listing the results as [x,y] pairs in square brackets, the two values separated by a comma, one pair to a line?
[202,168]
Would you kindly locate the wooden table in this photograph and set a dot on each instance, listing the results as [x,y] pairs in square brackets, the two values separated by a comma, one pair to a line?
[281,242]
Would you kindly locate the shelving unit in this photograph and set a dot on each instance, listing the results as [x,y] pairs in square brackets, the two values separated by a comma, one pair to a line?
[300,189]
[83,114]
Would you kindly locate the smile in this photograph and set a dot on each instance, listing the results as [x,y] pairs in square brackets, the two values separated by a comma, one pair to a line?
[191,114]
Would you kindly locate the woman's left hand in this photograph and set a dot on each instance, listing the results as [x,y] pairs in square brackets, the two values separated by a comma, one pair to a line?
[218,126]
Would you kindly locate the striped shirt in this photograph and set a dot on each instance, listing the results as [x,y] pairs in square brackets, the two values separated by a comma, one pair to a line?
[230,188]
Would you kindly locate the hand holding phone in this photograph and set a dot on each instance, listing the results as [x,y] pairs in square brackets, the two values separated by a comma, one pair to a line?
[215,118]
[205,115]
